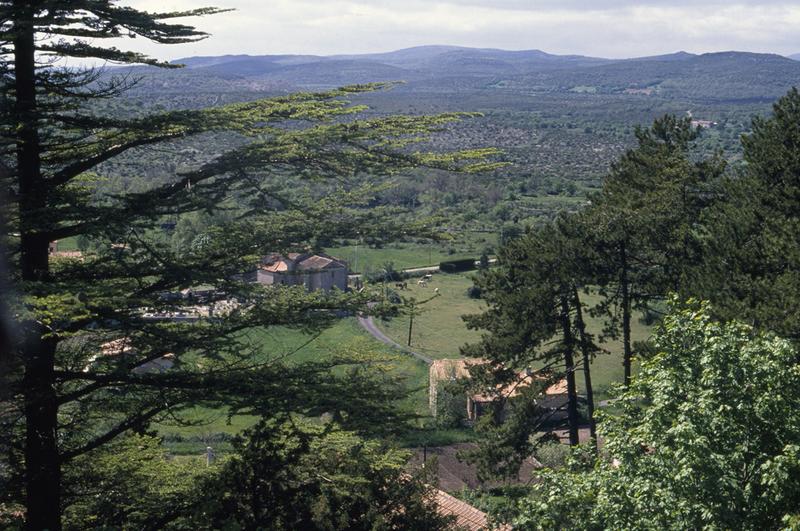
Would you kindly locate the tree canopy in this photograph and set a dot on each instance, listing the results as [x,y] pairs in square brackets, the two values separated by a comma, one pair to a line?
[705,437]
[87,330]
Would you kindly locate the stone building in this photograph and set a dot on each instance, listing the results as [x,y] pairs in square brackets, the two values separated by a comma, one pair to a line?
[314,271]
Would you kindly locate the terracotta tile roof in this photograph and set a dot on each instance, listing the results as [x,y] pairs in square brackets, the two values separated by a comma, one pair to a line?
[558,388]
[275,263]
[276,267]
[467,516]
[314,262]
[124,347]
[115,347]
[513,388]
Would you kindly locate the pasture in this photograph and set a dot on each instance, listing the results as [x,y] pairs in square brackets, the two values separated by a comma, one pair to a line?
[404,255]
[439,331]
[203,427]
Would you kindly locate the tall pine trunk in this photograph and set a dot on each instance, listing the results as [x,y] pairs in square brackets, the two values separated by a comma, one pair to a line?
[583,339]
[42,467]
[569,364]
[626,314]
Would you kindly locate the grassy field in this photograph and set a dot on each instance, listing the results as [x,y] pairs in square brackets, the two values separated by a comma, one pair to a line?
[440,331]
[68,244]
[404,255]
[211,427]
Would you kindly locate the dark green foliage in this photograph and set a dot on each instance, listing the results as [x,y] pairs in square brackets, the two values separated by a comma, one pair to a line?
[457,266]
[532,324]
[451,405]
[290,476]
[483,261]
[474,292]
[750,236]
[707,434]
[553,454]
[387,273]
[282,475]
[131,483]
[634,241]
[509,233]
[642,226]
[75,391]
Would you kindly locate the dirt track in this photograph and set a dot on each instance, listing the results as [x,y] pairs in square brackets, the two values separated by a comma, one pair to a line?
[369,325]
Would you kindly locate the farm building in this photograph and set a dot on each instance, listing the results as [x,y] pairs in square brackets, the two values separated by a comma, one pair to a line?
[451,370]
[314,271]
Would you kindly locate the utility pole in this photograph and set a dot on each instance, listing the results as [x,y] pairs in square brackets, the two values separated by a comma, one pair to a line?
[410,325]
[412,305]
[356,264]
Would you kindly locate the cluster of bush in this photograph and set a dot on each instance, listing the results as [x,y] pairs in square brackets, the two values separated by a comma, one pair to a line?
[457,266]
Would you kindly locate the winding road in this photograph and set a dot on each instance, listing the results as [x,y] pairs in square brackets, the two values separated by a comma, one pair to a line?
[368,324]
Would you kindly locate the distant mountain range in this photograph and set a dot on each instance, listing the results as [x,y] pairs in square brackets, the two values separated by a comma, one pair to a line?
[725,76]
[795,56]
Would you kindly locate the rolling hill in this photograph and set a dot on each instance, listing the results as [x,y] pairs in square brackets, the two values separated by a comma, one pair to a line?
[560,120]
[722,76]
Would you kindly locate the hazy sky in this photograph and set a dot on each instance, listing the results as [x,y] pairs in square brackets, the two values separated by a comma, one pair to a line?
[604,28]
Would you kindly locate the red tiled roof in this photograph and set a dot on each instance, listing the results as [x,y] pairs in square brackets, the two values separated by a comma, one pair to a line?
[276,263]
[275,267]
[467,516]
[315,262]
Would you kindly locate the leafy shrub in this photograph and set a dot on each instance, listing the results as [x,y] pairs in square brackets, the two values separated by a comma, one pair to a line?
[393,297]
[451,405]
[456,266]
[552,454]
[387,273]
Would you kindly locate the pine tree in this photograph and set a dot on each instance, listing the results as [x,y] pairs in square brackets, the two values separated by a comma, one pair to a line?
[83,335]
[534,321]
[644,222]
[751,269]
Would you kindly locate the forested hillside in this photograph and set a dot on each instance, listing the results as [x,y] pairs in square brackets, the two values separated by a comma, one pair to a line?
[560,120]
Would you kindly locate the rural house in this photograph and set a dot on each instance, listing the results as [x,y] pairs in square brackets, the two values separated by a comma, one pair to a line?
[450,370]
[314,271]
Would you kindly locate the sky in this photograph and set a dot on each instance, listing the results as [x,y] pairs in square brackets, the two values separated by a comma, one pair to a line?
[599,28]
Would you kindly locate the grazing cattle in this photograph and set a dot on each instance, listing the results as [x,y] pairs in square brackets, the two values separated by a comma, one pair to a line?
[427,277]
[401,285]
[436,290]
[421,282]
